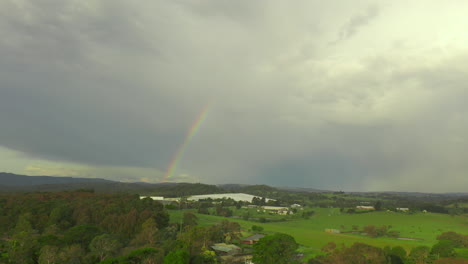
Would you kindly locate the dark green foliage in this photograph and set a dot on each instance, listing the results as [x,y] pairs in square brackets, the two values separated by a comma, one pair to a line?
[51,240]
[444,249]
[378,206]
[189,219]
[397,255]
[142,255]
[177,257]
[257,228]
[68,227]
[226,231]
[278,248]
[223,211]
[358,253]
[459,240]
[104,246]
[82,234]
[419,254]
[203,210]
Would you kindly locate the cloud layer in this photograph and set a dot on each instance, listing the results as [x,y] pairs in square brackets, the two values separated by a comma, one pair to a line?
[110,89]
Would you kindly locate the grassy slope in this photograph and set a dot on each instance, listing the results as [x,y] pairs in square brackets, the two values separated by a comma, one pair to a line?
[310,233]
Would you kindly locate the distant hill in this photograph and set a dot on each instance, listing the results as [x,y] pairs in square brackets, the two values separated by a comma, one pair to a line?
[10,179]
[232,186]
[301,189]
[20,183]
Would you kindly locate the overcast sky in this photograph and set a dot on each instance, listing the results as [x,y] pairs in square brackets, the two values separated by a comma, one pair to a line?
[343,95]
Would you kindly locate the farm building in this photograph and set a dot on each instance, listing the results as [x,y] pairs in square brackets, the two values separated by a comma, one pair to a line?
[235,196]
[162,200]
[252,239]
[332,231]
[277,209]
[226,249]
[156,198]
[362,207]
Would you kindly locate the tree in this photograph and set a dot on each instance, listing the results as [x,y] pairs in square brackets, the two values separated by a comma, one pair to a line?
[397,255]
[370,230]
[71,254]
[278,248]
[419,255]
[363,253]
[189,219]
[24,242]
[148,234]
[194,238]
[144,256]
[203,210]
[104,246]
[81,234]
[206,257]
[459,240]
[256,228]
[48,255]
[443,249]
[378,206]
[329,247]
[358,253]
[177,257]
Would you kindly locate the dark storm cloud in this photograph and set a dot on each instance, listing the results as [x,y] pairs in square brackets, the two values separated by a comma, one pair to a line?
[69,94]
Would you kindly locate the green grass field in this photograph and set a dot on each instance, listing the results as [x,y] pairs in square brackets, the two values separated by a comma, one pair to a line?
[310,233]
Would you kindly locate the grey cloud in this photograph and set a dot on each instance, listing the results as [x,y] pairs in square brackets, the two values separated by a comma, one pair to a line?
[357,22]
[118,85]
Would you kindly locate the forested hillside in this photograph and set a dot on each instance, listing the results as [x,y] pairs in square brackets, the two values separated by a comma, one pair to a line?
[59,227]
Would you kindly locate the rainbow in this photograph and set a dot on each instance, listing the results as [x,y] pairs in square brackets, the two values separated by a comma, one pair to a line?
[180,152]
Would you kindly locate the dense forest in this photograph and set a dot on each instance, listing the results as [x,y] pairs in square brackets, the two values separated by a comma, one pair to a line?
[85,227]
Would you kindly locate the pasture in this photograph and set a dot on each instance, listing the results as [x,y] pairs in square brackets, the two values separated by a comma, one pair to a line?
[310,233]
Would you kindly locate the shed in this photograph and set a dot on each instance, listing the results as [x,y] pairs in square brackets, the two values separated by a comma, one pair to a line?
[226,249]
[252,239]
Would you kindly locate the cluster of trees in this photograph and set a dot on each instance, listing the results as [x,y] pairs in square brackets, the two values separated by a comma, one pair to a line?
[441,252]
[379,231]
[278,248]
[75,226]
[458,240]
[220,209]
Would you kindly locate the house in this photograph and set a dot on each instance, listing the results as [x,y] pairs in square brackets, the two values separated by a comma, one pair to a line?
[403,209]
[296,206]
[277,209]
[332,231]
[252,239]
[362,207]
[156,198]
[224,249]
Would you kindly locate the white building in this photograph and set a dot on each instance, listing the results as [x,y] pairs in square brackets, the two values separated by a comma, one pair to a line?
[156,198]
[362,207]
[277,209]
[235,196]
